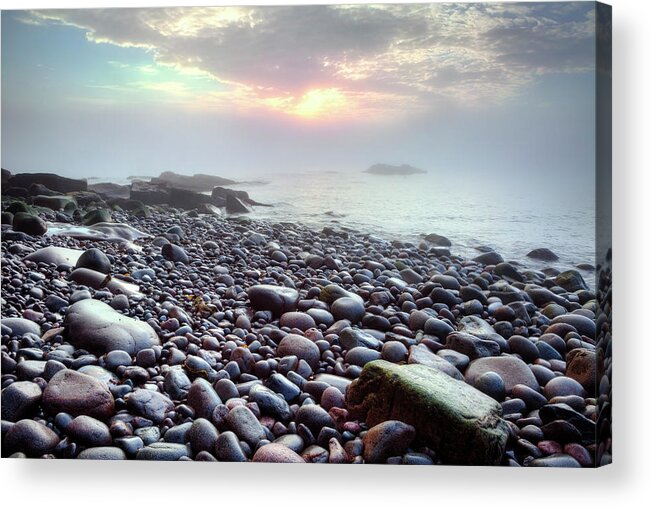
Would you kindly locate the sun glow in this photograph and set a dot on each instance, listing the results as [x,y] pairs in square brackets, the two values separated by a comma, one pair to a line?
[319,103]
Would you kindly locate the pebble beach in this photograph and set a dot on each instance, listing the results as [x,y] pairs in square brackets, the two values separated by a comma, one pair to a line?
[146,331]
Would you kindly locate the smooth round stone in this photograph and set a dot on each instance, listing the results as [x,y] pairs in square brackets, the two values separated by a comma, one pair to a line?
[19,400]
[117,358]
[78,394]
[298,320]
[275,299]
[332,397]
[548,352]
[321,316]
[348,308]
[389,438]
[555,460]
[245,425]
[579,453]
[491,384]
[174,253]
[563,386]
[276,453]
[98,328]
[457,359]
[533,399]
[149,434]
[542,373]
[561,431]
[19,327]
[531,433]
[30,369]
[226,389]
[102,453]
[301,347]
[203,398]
[270,403]
[314,417]
[437,327]
[524,347]
[227,448]
[394,352]
[149,404]
[120,303]
[30,437]
[581,323]
[281,385]
[359,356]
[293,441]
[512,370]
[315,454]
[178,434]
[146,358]
[88,431]
[29,224]
[163,451]
[176,383]
[94,259]
[203,436]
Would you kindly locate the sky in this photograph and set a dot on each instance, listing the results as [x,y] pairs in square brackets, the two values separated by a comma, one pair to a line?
[505,90]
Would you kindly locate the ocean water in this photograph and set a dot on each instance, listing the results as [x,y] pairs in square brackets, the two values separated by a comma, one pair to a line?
[512,221]
[510,217]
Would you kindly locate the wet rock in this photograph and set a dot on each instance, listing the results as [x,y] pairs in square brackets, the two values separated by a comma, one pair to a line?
[459,422]
[163,451]
[78,394]
[30,437]
[95,326]
[420,354]
[543,254]
[88,431]
[203,398]
[276,453]
[301,347]
[103,453]
[149,404]
[19,400]
[20,327]
[275,299]
[245,425]
[174,253]
[94,259]
[389,438]
[29,224]
[227,448]
[512,370]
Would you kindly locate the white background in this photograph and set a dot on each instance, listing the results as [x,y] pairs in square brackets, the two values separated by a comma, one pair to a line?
[626,482]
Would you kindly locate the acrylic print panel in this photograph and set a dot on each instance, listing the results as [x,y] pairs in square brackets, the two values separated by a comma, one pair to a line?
[308,234]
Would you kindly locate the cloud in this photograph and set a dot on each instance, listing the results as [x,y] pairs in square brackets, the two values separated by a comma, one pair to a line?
[360,57]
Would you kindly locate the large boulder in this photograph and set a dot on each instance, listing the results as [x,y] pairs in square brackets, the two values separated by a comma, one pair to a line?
[461,424]
[49,180]
[98,328]
[29,224]
[186,199]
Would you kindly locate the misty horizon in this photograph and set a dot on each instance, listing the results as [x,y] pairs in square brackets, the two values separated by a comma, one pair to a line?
[501,90]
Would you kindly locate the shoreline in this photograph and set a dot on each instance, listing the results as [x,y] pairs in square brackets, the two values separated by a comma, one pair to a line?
[279,358]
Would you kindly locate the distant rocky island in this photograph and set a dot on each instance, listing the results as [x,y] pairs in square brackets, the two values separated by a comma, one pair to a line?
[387,169]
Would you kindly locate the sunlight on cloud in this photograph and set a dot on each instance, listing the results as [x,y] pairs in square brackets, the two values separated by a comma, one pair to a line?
[383,58]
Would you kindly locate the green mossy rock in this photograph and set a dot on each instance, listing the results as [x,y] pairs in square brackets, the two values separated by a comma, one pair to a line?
[461,424]
[96,216]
